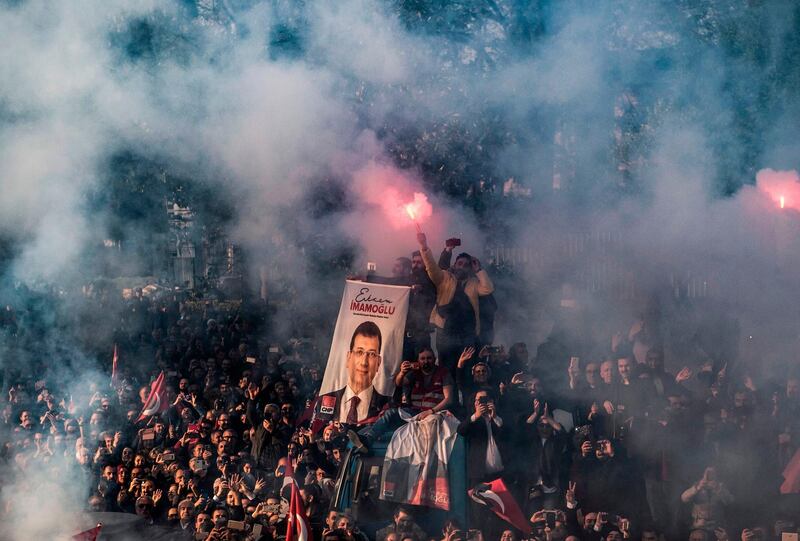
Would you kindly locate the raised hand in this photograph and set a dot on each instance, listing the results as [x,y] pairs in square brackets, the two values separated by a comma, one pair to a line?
[572,501]
[616,340]
[252,390]
[635,329]
[683,375]
[466,355]
[260,485]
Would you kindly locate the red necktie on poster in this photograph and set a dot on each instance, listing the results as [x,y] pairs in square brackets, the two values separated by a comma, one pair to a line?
[352,414]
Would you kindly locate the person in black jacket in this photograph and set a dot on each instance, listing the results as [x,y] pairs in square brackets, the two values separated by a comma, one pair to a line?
[487,303]
[483,430]
[267,443]
[411,272]
[542,442]
[607,481]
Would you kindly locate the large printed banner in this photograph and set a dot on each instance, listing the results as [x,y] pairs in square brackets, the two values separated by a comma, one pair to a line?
[365,351]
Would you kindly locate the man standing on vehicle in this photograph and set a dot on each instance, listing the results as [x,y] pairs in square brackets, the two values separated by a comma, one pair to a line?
[425,387]
[457,312]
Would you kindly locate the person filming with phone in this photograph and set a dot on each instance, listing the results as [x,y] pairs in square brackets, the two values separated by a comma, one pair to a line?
[424,386]
[484,432]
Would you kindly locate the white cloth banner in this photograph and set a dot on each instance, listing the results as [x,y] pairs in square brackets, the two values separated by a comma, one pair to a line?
[366,349]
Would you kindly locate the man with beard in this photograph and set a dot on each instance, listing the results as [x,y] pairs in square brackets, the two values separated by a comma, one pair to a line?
[457,311]
[627,400]
[403,524]
[420,304]
[411,272]
[486,303]
[426,387]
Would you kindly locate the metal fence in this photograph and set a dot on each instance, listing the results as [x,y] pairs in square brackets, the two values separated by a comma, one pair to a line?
[596,266]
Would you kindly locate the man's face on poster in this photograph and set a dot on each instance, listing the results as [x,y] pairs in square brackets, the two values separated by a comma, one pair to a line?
[363,362]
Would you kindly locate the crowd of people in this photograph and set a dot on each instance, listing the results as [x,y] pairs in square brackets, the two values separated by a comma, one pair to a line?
[613,447]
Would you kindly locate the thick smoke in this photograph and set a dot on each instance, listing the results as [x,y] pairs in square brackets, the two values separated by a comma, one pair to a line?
[604,148]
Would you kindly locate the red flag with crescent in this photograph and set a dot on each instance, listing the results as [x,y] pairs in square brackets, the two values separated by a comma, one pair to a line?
[88,535]
[496,497]
[114,361]
[791,476]
[157,399]
[297,526]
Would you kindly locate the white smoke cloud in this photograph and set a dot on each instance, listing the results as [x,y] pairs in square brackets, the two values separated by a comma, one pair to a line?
[209,95]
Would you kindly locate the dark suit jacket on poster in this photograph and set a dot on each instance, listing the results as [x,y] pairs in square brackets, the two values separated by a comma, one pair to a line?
[376,404]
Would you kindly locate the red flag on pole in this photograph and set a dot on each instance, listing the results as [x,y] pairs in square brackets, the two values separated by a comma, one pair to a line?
[157,399]
[791,476]
[288,475]
[297,526]
[309,413]
[114,367]
[88,535]
[496,497]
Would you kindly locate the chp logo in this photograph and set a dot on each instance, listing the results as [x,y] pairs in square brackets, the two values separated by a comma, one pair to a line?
[327,405]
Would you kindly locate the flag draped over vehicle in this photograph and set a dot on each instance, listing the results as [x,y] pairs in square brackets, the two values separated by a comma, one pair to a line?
[415,467]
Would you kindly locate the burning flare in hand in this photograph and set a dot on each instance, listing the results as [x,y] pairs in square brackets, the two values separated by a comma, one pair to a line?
[418,210]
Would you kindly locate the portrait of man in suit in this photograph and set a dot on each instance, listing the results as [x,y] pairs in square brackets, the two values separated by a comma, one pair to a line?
[359,400]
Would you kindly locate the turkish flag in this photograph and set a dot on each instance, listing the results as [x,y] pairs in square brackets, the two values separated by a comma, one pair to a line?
[496,497]
[157,399]
[310,414]
[88,535]
[297,526]
[114,360]
[791,475]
